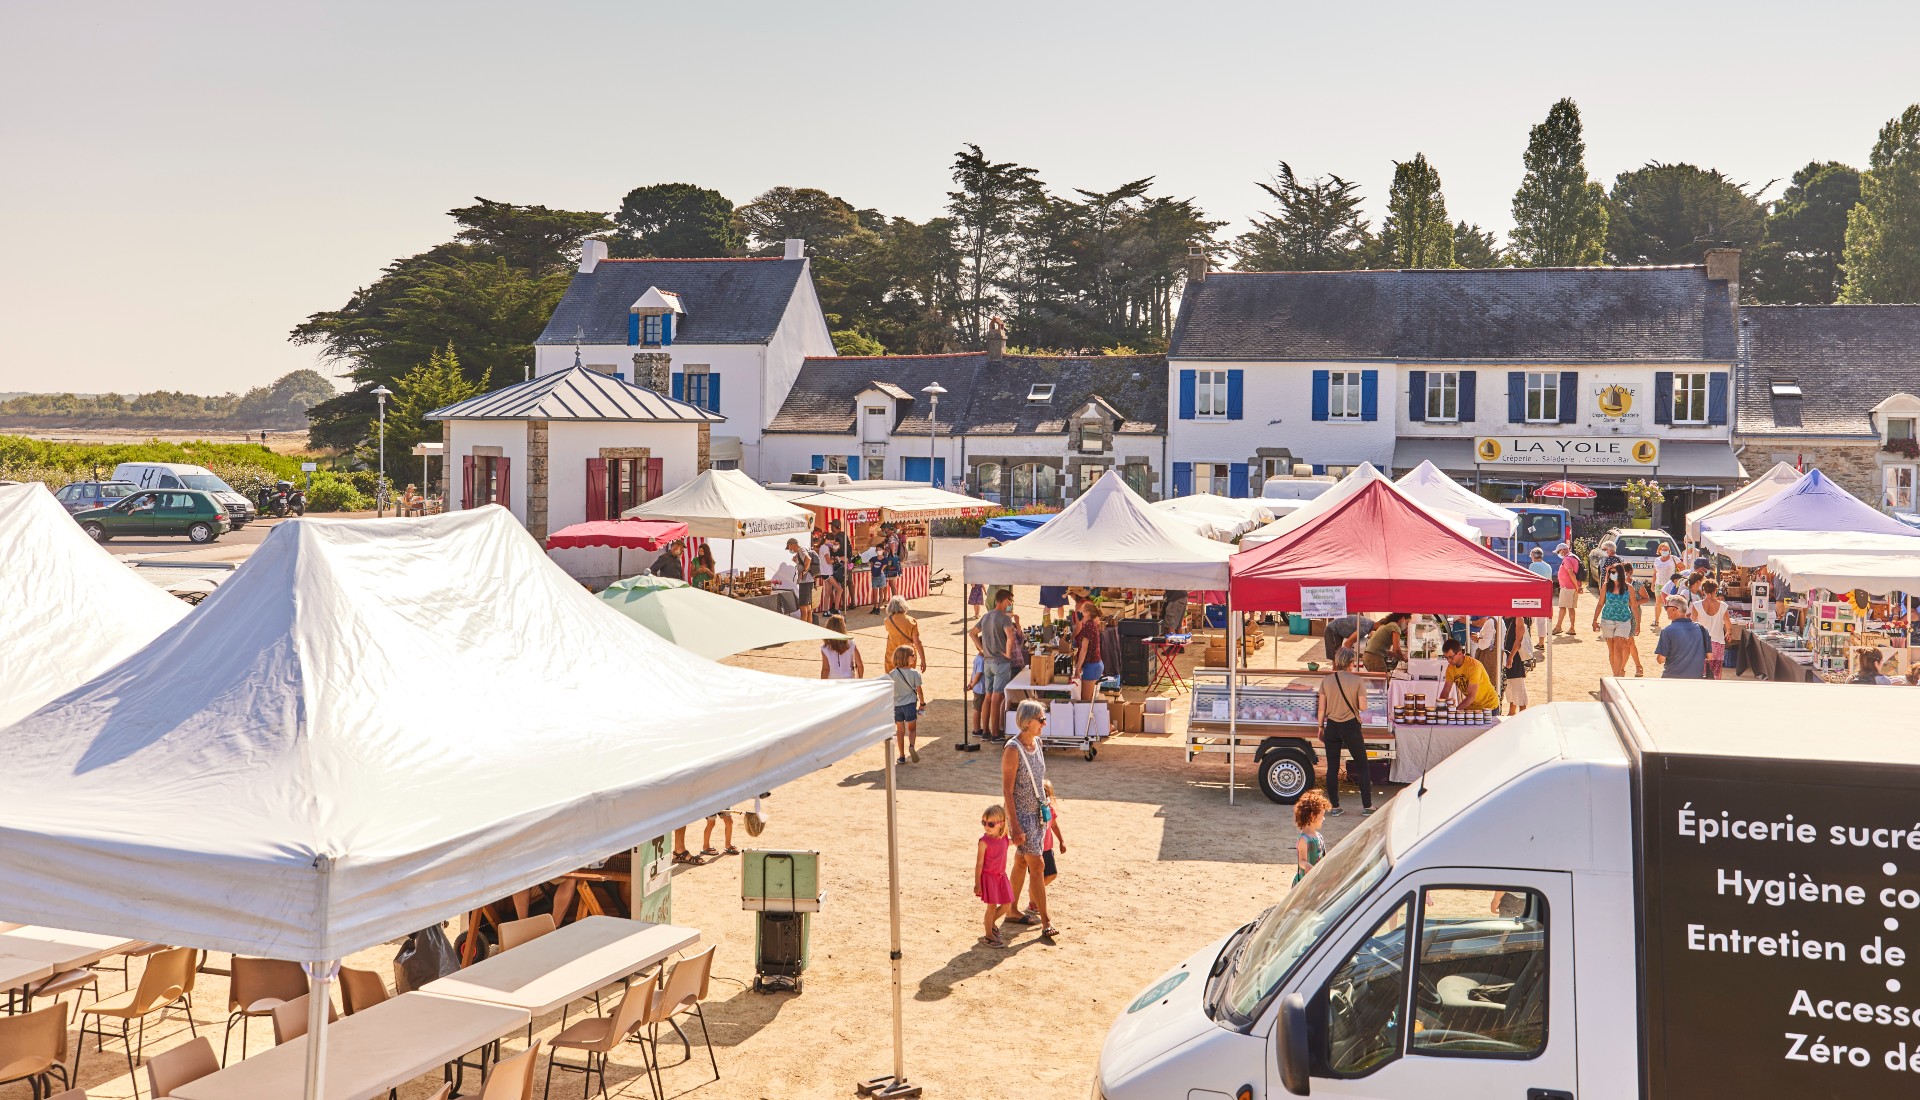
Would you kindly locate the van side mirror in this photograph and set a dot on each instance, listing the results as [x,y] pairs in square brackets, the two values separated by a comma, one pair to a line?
[1291,1036]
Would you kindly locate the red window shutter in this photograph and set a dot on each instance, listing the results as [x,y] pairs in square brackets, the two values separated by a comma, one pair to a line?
[596,489]
[466,481]
[656,477]
[503,468]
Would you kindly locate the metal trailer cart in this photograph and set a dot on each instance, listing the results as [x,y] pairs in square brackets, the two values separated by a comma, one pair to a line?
[784,889]
[1276,726]
[1070,725]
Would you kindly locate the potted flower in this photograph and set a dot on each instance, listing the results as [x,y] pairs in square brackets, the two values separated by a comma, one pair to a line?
[1643,497]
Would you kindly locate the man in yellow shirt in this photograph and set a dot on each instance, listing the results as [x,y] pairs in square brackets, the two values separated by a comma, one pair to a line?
[1467,678]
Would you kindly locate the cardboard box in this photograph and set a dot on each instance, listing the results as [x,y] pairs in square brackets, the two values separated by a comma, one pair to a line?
[1013,727]
[1061,719]
[1040,667]
[1130,715]
[1099,719]
[1156,704]
[1154,723]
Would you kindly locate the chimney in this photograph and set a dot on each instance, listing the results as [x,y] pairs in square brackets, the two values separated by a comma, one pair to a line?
[1196,264]
[654,370]
[796,249]
[1723,265]
[592,251]
[996,340]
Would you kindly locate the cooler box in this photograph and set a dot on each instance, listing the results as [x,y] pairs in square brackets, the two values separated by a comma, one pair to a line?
[1156,704]
[782,888]
[1217,616]
[1298,623]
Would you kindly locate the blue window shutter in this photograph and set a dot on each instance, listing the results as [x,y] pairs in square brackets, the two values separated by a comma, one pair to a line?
[819,463]
[1569,397]
[1186,395]
[1717,397]
[1516,397]
[1369,395]
[1320,382]
[1318,469]
[1237,479]
[1236,394]
[1663,397]
[666,329]
[679,387]
[633,329]
[713,392]
[853,467]
[1469,392]
[1416,395]
[1183,479]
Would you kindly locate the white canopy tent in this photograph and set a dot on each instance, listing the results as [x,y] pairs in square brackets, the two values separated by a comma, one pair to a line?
[1107,538]
[1757,491]
[375,724]
[71,610]
[1222,519]
[1360,478]
[893,500]
[1752,548]
[725,504]
[1878,573]
[1427,484]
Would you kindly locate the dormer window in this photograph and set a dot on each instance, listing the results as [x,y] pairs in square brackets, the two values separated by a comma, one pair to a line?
[1041,391]
[1899,428]
[1786,389]
[653,329]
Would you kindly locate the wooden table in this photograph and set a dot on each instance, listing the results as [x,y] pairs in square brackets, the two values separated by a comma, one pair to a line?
[566,964]
[368,1052]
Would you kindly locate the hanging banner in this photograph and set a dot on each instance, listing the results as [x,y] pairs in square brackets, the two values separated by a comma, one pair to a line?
[1324,602]
[1565,450]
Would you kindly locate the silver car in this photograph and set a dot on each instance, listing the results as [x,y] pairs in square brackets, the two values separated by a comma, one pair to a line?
[1638,546]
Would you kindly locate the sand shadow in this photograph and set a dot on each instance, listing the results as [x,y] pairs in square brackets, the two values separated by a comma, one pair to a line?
[970,963]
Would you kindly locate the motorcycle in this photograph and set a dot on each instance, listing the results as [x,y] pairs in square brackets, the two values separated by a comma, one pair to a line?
[282,500]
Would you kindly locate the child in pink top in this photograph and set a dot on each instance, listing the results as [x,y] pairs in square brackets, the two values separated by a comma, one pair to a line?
[990,883]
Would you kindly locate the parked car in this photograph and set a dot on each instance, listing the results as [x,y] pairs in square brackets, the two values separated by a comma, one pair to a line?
[180,475]
[82,495]
[155,512]
[1638,546]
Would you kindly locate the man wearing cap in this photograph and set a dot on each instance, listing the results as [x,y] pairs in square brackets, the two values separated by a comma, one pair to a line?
[1682,649]
[1537,564]
[1566,600]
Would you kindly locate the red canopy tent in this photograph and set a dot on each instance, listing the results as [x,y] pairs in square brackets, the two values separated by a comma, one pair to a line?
[1390,555]
[627,534]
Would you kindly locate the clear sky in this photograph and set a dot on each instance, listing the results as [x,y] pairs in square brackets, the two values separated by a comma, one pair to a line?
[184,182]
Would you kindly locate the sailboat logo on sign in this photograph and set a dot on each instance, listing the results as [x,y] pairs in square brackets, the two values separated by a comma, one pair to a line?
[1488,450]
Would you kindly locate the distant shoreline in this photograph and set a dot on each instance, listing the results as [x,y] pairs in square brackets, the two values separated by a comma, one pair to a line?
[279,440]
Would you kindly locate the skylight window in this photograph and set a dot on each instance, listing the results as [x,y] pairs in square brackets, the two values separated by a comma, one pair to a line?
[1786,389]
[1041,391]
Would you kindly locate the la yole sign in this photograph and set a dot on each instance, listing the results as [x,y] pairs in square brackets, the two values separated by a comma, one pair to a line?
[1558,450]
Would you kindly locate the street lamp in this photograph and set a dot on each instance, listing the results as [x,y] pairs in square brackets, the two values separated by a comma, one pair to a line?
[932,390]
[381,393]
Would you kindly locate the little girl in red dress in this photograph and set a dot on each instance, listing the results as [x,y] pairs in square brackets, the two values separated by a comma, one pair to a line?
[990,883]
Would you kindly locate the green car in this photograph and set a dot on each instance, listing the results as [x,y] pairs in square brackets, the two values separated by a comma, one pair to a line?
[152,512]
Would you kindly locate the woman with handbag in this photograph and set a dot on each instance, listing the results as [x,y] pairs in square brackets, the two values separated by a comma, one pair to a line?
[1340,703]
[901,631]
[1023,777]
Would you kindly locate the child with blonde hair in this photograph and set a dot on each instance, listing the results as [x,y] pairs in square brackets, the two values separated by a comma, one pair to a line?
[909,699]
[990,883]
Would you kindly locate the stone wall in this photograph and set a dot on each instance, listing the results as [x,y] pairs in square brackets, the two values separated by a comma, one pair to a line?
[537,479]
[1855,467]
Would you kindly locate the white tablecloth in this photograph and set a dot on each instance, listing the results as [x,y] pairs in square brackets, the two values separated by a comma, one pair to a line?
[1418,748]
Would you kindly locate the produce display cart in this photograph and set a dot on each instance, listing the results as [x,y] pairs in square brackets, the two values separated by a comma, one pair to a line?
[1087,725]
[1276,726]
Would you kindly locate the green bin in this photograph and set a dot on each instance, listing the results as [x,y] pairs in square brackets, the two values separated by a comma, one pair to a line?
[783,889]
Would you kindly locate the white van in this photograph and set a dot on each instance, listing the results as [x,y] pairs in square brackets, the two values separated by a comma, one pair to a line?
[1690,889]
[180,475]
[1300,489]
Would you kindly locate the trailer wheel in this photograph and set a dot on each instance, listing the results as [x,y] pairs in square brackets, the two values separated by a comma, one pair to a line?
[1285,775]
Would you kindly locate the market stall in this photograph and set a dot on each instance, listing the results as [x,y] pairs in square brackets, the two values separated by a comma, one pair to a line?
[869,511]
[1222,519]
[71,610]
[1828,607]
[727,505]
[1362,476]
[1108,538]
[1376,550]
[1768,485]
[1812,514]
[621,534]
[1427,484]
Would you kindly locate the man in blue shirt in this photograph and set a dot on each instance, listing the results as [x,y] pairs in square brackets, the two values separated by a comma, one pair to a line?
[1682,650]
[1537,563]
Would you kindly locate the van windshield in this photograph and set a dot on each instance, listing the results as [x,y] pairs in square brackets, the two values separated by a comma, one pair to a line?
[1541,527]
[1286,932]
[206,483]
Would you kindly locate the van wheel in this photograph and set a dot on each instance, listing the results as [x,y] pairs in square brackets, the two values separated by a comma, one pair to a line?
[1285,775]
[96,532]
[201,532]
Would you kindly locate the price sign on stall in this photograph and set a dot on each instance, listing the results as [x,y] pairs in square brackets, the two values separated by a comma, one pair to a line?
[1323,602]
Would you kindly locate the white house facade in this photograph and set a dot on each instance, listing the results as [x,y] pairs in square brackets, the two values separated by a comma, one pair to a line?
[735,330]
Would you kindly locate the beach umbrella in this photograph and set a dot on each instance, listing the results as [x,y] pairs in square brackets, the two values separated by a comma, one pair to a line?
[634,588]
[711,625]
[1565,489]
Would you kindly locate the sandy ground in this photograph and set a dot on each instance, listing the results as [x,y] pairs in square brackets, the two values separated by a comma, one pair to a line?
[1157,865]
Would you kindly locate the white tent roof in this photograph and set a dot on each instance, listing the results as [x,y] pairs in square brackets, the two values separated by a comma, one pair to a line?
[1108,537]
[1427,485]
[1782,476]
[1220,518]
[1362,475]
[70,609]
[894,501]
[1878,573]
[376,724]
[725,504]
[1751,548]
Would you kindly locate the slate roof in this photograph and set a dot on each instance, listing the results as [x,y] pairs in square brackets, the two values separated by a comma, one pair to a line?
[985,397]
[1575,314]
[1847,359]
[727,301]
[573,394]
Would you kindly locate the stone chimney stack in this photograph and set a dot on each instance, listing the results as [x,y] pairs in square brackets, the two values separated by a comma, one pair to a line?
[654,370]
[796,249]
[996,340]
[1196,264]
[592,251]
[1723,265]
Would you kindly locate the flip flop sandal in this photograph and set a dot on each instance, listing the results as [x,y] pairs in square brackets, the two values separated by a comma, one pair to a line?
[709,853]
[1025,918]
[992,941]
[730,851]
[1049,932]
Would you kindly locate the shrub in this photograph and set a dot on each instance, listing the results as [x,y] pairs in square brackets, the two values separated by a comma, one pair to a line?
[333,492]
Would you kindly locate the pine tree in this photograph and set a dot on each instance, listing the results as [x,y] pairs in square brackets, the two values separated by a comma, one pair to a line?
[1560,216]
[1417,232]
[1799,261]
[1477,247]
[992,201]
[434,384]
[1882,259]
[1317,228]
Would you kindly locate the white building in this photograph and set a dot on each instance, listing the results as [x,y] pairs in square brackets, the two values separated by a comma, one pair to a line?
[1506,377]
[1014,429]
[572,446]
[736,330]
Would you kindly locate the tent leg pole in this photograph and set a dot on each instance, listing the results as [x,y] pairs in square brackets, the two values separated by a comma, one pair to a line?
[966,652]
[897,1084]
[1549,644]
[1233,698]
[321,975]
